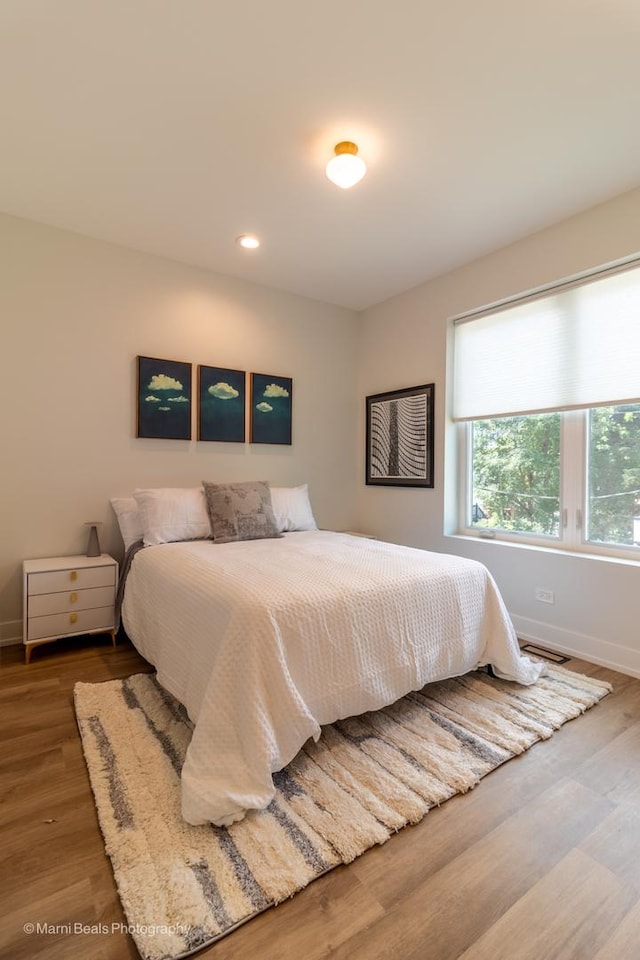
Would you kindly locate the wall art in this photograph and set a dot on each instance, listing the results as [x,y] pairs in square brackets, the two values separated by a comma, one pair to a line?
[164,399]
[399,446]
[271,408]
[221,404]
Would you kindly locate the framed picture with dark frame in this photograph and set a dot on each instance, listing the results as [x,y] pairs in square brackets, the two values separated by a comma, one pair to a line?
[271,408]
[399,451]
[163,399]
[221,404]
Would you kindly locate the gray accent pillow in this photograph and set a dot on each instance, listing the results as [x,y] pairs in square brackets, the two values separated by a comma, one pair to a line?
[240,511]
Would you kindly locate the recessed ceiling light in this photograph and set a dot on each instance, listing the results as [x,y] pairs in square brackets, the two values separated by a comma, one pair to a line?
[248,241]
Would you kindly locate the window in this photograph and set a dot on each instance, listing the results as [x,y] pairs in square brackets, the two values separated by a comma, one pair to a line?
[515,464]
[522,484]
[613,471]
[547,393]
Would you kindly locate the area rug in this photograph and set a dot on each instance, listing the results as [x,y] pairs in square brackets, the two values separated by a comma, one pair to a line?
[183,887]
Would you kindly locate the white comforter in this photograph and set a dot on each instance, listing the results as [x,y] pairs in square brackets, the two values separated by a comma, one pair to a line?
[266,640]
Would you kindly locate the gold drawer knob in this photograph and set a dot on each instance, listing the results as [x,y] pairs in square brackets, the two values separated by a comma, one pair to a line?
[73,597]
[73,617]
[73,575]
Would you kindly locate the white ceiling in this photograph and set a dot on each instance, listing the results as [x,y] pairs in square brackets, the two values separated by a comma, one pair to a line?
[172,126]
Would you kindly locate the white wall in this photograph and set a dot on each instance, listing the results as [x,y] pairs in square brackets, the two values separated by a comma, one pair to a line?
[403,343]
[74,315]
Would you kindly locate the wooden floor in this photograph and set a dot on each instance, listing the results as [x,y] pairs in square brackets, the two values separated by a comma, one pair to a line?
[540,862]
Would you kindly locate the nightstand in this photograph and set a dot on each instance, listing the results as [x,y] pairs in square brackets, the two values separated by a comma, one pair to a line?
[68,596]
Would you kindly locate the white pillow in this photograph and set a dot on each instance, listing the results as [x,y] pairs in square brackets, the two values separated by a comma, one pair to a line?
[173,513]
[292,508]
[129,519]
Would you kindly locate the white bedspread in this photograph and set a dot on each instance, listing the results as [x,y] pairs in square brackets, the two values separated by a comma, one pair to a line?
[266,640]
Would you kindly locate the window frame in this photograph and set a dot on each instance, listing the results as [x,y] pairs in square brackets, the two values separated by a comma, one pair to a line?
[574,465]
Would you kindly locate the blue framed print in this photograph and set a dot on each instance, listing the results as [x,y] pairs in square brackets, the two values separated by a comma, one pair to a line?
[221,404]
[271,408]
[164,399]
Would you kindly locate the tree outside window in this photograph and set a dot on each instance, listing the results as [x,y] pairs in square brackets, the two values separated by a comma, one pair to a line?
[517,466]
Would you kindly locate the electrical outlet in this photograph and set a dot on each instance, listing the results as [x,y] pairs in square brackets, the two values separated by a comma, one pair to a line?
[544,595]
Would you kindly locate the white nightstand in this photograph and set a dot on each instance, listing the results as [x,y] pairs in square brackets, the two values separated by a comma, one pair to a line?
[67,596]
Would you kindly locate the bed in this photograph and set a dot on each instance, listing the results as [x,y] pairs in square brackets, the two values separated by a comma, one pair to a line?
[264,641]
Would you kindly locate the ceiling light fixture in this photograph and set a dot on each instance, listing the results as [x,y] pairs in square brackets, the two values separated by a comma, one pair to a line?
[248,241]
[346,168]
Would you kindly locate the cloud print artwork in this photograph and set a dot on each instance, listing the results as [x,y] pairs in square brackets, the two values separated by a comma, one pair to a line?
[164,399]
[271,408]
[224,391]
[221,404]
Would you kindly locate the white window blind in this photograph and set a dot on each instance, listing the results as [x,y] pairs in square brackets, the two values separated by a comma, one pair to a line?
[575,346]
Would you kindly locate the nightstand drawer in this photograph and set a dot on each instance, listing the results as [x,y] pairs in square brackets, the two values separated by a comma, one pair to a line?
[66,624]
[46,603]
[80,578]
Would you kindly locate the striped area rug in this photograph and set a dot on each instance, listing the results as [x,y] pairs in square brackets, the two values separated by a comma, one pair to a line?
[183,887]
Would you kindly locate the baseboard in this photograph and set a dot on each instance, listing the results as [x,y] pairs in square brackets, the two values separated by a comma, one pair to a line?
[605,654]
[10,633]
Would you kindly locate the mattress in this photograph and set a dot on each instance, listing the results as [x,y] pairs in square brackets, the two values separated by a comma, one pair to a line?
[265,641]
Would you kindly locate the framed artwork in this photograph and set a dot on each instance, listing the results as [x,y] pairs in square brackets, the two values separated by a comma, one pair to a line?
[399,449]
[164,399]
[271,407]
[221,404]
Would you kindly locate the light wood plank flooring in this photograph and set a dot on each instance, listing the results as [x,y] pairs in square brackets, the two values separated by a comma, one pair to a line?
[540,862]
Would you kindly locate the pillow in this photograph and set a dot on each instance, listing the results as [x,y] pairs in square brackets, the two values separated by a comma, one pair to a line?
[240,511]
[173,513]
[292,509]
[129,519]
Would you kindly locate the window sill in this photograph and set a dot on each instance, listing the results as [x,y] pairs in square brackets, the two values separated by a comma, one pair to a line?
[556,549]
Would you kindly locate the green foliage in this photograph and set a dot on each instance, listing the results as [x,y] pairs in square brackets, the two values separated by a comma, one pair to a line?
[516,473]
[614,474]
